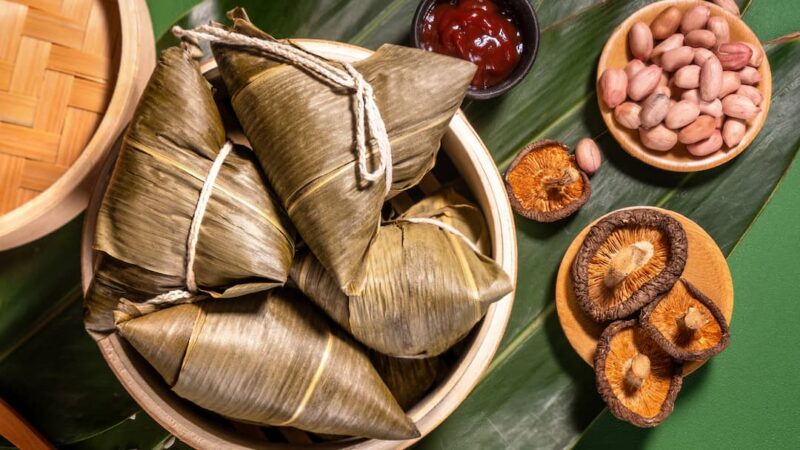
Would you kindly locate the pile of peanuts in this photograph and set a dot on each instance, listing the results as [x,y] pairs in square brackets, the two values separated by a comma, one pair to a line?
[687,83]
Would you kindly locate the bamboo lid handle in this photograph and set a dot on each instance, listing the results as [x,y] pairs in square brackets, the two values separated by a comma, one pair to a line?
[17,430]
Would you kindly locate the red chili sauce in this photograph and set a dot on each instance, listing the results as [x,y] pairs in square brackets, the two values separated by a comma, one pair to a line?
[479,31]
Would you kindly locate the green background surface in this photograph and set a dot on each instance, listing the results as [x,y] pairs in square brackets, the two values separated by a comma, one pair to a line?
[747,397]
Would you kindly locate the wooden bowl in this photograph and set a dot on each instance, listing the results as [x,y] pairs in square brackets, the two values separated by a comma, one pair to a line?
[705,267]
[201,429]
[616,54]
[69,81]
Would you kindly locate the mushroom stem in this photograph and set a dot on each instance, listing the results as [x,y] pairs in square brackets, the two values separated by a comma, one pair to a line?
[638,370]
[567,177]
[692,320]
[626,261]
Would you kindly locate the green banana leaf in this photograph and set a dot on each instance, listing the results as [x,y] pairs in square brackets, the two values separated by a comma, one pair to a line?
[536,392]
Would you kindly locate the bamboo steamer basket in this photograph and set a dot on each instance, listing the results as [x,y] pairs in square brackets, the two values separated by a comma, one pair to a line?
[201,429]
[71,72]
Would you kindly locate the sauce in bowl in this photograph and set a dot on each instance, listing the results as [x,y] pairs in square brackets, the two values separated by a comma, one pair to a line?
[479,31]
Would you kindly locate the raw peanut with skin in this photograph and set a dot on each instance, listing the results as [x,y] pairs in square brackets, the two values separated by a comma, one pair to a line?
[733,132]
[739,107]
[695,19]
[627,115]
[692,95]
[587,155]
[666,23]
[640,41]
[728,5]
[613,86]
[749,75]
[730,83]
[700,38]
[663,90]
[654,110]
[644,83]
[677,58]
[757,57]
[681,114]
[700,129]
[713,108]
[701,55]
[672,42]
[687,77]
[733,55]
[752,93]
[719,26]
[658,138]
[706,146]
[710,79]
[633,67]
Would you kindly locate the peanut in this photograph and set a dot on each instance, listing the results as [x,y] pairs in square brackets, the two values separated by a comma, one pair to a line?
[710,79]
[681,114]
[740,107]
[640,41]
[713,108]
[701,38]
[613,85]
[644,83]
[757,57]
[701,55]
[666,23]
[676,58]
[695,19]
[733,132]
[719,26]
[633,67]
[658,138]
[734,56]
[687,77]
[749,75]
[752,93]
[587,155]
[693,95]
[730,83]
[698,130]
[627,115]
[707,146]
[654,110]
[672,42]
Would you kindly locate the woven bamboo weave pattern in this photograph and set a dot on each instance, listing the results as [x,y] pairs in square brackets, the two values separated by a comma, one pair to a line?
[57,74]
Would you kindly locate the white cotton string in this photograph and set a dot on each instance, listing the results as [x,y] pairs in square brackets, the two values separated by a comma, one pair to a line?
[172,297]
[367,114]
[443,226]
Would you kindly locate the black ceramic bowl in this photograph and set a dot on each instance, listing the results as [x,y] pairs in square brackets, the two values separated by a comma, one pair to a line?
[525,17]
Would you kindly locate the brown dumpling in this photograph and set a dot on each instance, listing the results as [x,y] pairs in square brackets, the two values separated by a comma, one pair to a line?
[636,378]
[626,261]
[686,323]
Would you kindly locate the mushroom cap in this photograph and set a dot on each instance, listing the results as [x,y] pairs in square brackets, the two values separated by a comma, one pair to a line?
[644,284]
[661,321]
[525,182]
[653,401]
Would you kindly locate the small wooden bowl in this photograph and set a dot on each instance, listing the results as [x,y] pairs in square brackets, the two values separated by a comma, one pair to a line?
[706,268]
[204,430]
[83,70]
[616,54]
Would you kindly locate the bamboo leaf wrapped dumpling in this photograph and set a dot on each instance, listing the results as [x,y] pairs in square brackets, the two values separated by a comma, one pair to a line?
[244,242]
[426,287]
[269,358]
[303,131]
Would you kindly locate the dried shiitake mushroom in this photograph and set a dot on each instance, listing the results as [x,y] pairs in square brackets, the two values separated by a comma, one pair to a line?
[627,260]
[545,184]
[686,323]
[637,379]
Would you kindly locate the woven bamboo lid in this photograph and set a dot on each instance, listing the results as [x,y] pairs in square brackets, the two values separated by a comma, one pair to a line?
[70,74]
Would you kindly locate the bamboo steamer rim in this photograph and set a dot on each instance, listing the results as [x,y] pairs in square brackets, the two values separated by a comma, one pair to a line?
[68,196]
[706,268]
[475,164]
[678,159]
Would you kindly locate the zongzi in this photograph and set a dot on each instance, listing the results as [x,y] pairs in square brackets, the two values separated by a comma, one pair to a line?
[269,358]
[153,235]
[408,379]
[427,283]
[307,119]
